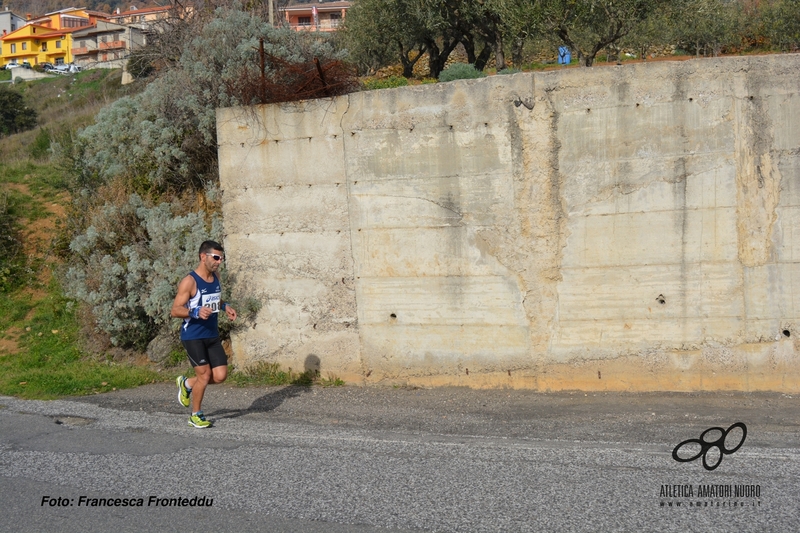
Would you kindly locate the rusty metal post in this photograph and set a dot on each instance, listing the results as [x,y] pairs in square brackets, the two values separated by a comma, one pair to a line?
[263,71]
[321,76]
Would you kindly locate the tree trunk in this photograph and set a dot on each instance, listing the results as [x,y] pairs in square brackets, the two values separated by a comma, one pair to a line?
[407,62]
[438,57]
[434,64]
[408,67]
[483,58]
[469,47]
[499,53]
[516,51]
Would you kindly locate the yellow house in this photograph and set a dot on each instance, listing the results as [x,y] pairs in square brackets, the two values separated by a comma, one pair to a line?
[34,44]
[45,39]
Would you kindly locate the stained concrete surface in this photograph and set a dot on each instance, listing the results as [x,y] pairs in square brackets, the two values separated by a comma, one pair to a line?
[635,222]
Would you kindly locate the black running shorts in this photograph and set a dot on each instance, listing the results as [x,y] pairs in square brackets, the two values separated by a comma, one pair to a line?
[206,352]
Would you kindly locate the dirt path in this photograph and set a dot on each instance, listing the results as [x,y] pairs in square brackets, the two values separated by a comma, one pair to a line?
[37,245]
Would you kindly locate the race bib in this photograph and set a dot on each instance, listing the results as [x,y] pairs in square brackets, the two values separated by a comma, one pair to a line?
[213,300]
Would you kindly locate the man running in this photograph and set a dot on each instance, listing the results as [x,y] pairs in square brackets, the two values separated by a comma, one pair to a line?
[198,303]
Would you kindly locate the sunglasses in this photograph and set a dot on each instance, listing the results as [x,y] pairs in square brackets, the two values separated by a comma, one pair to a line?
[215,257]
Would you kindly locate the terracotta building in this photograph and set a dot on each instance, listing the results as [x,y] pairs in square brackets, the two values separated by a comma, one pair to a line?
[318,16]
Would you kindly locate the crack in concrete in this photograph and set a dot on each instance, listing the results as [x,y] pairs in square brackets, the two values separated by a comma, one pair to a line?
[443,206]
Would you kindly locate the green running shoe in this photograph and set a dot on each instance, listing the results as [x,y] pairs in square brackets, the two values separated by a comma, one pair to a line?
[183,393]
[199,421]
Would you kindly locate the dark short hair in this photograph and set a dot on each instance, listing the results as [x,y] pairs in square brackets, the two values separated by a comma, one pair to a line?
[207,246]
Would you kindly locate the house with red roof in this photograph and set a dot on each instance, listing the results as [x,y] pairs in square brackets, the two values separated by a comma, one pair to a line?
[315,16]
[46,39]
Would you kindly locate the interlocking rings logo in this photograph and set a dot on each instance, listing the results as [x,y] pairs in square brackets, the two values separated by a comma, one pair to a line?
[706,446]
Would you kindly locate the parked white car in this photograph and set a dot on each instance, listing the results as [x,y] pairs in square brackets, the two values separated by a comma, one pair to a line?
[65,69]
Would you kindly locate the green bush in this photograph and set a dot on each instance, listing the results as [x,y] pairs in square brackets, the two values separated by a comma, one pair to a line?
[15,116]
[509,71]
[386,83]
[460,71]
[11,269]
[40,147]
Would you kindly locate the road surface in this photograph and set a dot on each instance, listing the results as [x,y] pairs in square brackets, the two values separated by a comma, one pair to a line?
[374,459]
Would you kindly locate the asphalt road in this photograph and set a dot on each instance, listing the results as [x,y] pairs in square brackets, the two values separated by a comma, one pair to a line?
[356,459]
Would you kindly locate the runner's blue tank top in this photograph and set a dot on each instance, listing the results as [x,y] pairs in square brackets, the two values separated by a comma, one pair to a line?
[207,295]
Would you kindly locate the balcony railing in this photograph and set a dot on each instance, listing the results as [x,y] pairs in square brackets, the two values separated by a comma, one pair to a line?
[111,45]
[79,51]
[324,25]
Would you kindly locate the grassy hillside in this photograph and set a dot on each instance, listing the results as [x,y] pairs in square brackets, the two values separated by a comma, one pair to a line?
[46,348]
[40,336]
[63,103]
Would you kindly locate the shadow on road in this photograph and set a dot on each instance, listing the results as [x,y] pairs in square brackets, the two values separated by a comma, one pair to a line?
[271,401]
[266,403]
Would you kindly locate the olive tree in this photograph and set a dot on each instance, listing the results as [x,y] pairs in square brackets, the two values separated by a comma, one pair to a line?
[380,32]
[589,26]
[708,26]
[656,30]
[781,24]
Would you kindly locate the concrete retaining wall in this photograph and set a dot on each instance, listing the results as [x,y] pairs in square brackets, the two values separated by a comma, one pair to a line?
[617,228]
[27,74]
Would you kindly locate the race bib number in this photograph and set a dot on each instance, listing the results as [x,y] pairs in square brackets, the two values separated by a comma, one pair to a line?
[213,301]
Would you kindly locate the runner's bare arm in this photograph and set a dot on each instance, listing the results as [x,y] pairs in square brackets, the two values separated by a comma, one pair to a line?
[186,288]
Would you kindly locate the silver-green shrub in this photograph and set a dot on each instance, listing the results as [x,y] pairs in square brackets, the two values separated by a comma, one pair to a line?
[460,71]
[144,175]
[127,264]
[167,134]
